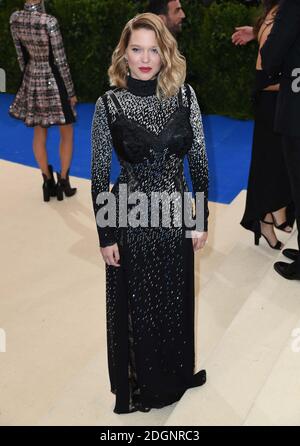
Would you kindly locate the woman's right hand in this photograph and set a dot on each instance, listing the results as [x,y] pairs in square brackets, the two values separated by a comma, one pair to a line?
[242,35]
[111,255]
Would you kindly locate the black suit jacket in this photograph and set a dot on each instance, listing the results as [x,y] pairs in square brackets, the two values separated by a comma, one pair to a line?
[281,54]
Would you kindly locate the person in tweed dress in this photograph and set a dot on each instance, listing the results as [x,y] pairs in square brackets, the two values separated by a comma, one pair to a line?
[46,96]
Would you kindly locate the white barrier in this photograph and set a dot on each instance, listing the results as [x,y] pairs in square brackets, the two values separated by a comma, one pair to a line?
[2,80]
[2,341]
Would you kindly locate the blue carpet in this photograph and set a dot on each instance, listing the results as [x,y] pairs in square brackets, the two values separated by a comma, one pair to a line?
[228,144]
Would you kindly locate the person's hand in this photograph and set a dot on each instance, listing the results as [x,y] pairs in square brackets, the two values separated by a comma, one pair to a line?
[73,101]
[111,255]
[242,35]
[199,239]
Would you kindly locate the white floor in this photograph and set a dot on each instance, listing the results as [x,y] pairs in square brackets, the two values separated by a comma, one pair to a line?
[52,311]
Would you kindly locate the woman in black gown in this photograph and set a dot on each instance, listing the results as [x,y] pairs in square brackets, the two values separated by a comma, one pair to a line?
[152,120]
[269,200]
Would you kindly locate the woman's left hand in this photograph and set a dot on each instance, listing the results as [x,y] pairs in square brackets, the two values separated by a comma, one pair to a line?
[199,239]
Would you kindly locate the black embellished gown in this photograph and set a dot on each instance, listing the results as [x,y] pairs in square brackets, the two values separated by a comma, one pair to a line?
[150,297]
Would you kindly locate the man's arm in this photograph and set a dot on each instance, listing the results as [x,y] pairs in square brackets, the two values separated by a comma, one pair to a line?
[285,30]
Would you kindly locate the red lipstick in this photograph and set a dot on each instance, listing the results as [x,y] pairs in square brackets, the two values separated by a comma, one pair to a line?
[145,69]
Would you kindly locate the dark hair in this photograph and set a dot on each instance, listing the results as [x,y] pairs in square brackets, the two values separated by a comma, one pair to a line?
[268,5]
[159,7]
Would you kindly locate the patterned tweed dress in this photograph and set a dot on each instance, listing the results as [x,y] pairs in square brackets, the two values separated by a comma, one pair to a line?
[46,86]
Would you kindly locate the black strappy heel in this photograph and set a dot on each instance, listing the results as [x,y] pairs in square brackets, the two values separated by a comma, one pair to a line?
[258,234]
[282,226]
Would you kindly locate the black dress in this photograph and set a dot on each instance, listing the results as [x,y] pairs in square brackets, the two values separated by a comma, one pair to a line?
[268,184]
[150,297]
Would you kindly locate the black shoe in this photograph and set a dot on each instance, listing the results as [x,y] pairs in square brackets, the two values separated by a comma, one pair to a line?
[198,379]
[49,185]
[292,254]
[64,187]
[258,234]
[283,226]
[287,270]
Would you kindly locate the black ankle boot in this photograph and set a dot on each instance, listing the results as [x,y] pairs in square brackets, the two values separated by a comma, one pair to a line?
[63,186]
[49,185]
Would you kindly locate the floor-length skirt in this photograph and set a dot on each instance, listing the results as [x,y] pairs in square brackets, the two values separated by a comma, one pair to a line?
[150,319]
[268,184]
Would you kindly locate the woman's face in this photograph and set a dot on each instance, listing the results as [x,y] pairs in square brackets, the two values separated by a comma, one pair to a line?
[142,54]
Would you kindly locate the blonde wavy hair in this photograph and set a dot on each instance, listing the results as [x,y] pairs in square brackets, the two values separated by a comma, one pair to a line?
[173,70]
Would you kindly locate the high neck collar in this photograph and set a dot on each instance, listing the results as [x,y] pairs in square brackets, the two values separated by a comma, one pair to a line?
[141,88]
[32,7]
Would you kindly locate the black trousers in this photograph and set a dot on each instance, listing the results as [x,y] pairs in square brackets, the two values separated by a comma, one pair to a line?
[291,148]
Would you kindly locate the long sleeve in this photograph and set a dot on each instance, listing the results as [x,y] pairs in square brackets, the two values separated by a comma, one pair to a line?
[60,59]
[100,166]
[285,30]
[17,43]
[197,157]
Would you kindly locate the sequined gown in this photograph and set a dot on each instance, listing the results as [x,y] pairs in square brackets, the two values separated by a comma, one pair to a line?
[46,85]
[150,297]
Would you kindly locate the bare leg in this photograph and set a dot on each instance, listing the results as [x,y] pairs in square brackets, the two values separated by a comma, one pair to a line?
[268,230]
[66,147]
[280,217]
[39,149]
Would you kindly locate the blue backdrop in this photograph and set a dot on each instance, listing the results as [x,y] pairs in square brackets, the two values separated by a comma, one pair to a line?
[228,143]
